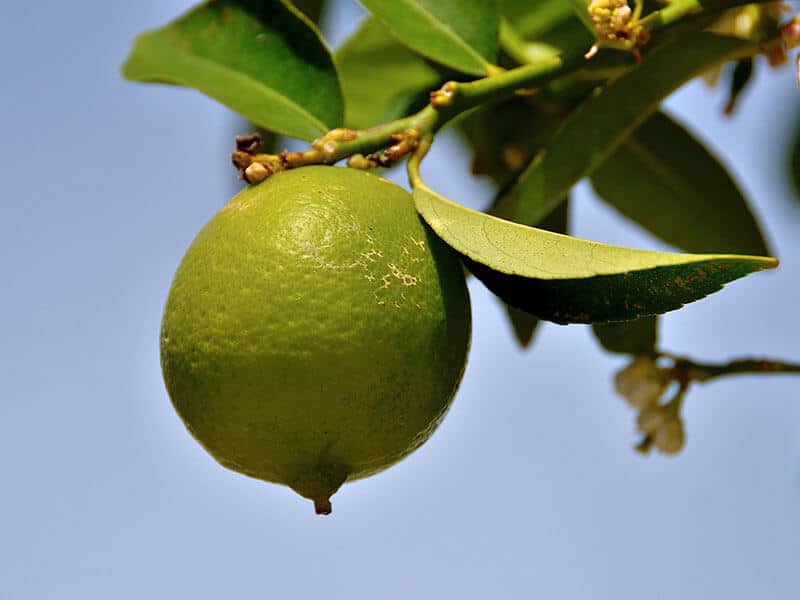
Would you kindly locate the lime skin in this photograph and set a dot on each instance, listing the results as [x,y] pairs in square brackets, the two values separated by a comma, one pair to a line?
[316,330]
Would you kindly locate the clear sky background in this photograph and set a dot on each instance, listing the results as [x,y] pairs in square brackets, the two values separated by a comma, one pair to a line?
[530,488]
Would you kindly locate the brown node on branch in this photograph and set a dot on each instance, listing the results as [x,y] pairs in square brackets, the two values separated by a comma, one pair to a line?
[253,167]
[341,134]
[406,142]
[444,96]
[250,143]
[241,160]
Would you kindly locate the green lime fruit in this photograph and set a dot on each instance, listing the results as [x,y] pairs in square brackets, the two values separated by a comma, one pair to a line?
[316,330]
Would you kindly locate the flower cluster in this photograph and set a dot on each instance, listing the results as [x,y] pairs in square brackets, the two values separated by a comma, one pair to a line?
[643,383]
[616,25]
[611,18]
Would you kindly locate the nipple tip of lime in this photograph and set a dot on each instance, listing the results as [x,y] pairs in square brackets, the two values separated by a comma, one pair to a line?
[322,505]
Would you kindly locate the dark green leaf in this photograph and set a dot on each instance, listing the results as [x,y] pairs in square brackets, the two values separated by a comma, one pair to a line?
[741,77]
[580,8]
[381,78]
[461,34]
[596,128]
[632,337]
[523,323]
[263,59]
[568,280]
[794,161]
[504,137]
[313,9]
[665,180]
[271,142]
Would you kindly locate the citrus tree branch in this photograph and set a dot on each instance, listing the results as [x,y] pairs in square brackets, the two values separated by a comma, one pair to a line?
[386,143]
[446,103]
[687,370]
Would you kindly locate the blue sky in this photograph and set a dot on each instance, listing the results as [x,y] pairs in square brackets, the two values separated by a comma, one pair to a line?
[529,488]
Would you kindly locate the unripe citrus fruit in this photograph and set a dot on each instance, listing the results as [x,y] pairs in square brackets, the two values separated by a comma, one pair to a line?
[316,330]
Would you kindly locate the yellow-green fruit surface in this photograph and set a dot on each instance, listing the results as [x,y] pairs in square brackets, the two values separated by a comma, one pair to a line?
[316,330]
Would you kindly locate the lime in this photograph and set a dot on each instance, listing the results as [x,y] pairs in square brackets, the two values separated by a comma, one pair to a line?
[316,330]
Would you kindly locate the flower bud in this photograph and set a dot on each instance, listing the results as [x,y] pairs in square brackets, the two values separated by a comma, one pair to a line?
[670,437]
[652,418]
[641,383]
[790,33]
[610,17]
[256,173]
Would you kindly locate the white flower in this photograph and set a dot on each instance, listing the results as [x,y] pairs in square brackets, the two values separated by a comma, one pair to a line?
[670,437]
[642,382]
[653,418]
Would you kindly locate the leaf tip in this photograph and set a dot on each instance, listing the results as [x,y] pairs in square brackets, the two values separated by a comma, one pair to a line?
[762,263]
[770,262]
[131,68]
[125,70]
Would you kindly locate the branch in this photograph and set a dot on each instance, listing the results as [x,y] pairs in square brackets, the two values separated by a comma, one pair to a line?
[446,103]
[686,370]
[334,146]
[389,142]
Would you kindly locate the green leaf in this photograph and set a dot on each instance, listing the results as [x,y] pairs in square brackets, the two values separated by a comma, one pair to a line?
[533,32]
[525,324]
[632,337]
[461,34]
[531,19]
[581,10]
[313,9]
[568,280]
[381,78]
[794,161]
[263,59]
[668,182]
[599,125]
[504,137]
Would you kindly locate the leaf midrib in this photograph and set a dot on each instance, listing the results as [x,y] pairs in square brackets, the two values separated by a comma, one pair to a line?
[661,259]
[448,32]
[670,179]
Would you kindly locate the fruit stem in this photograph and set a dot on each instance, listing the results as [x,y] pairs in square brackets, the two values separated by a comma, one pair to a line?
[414,161]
